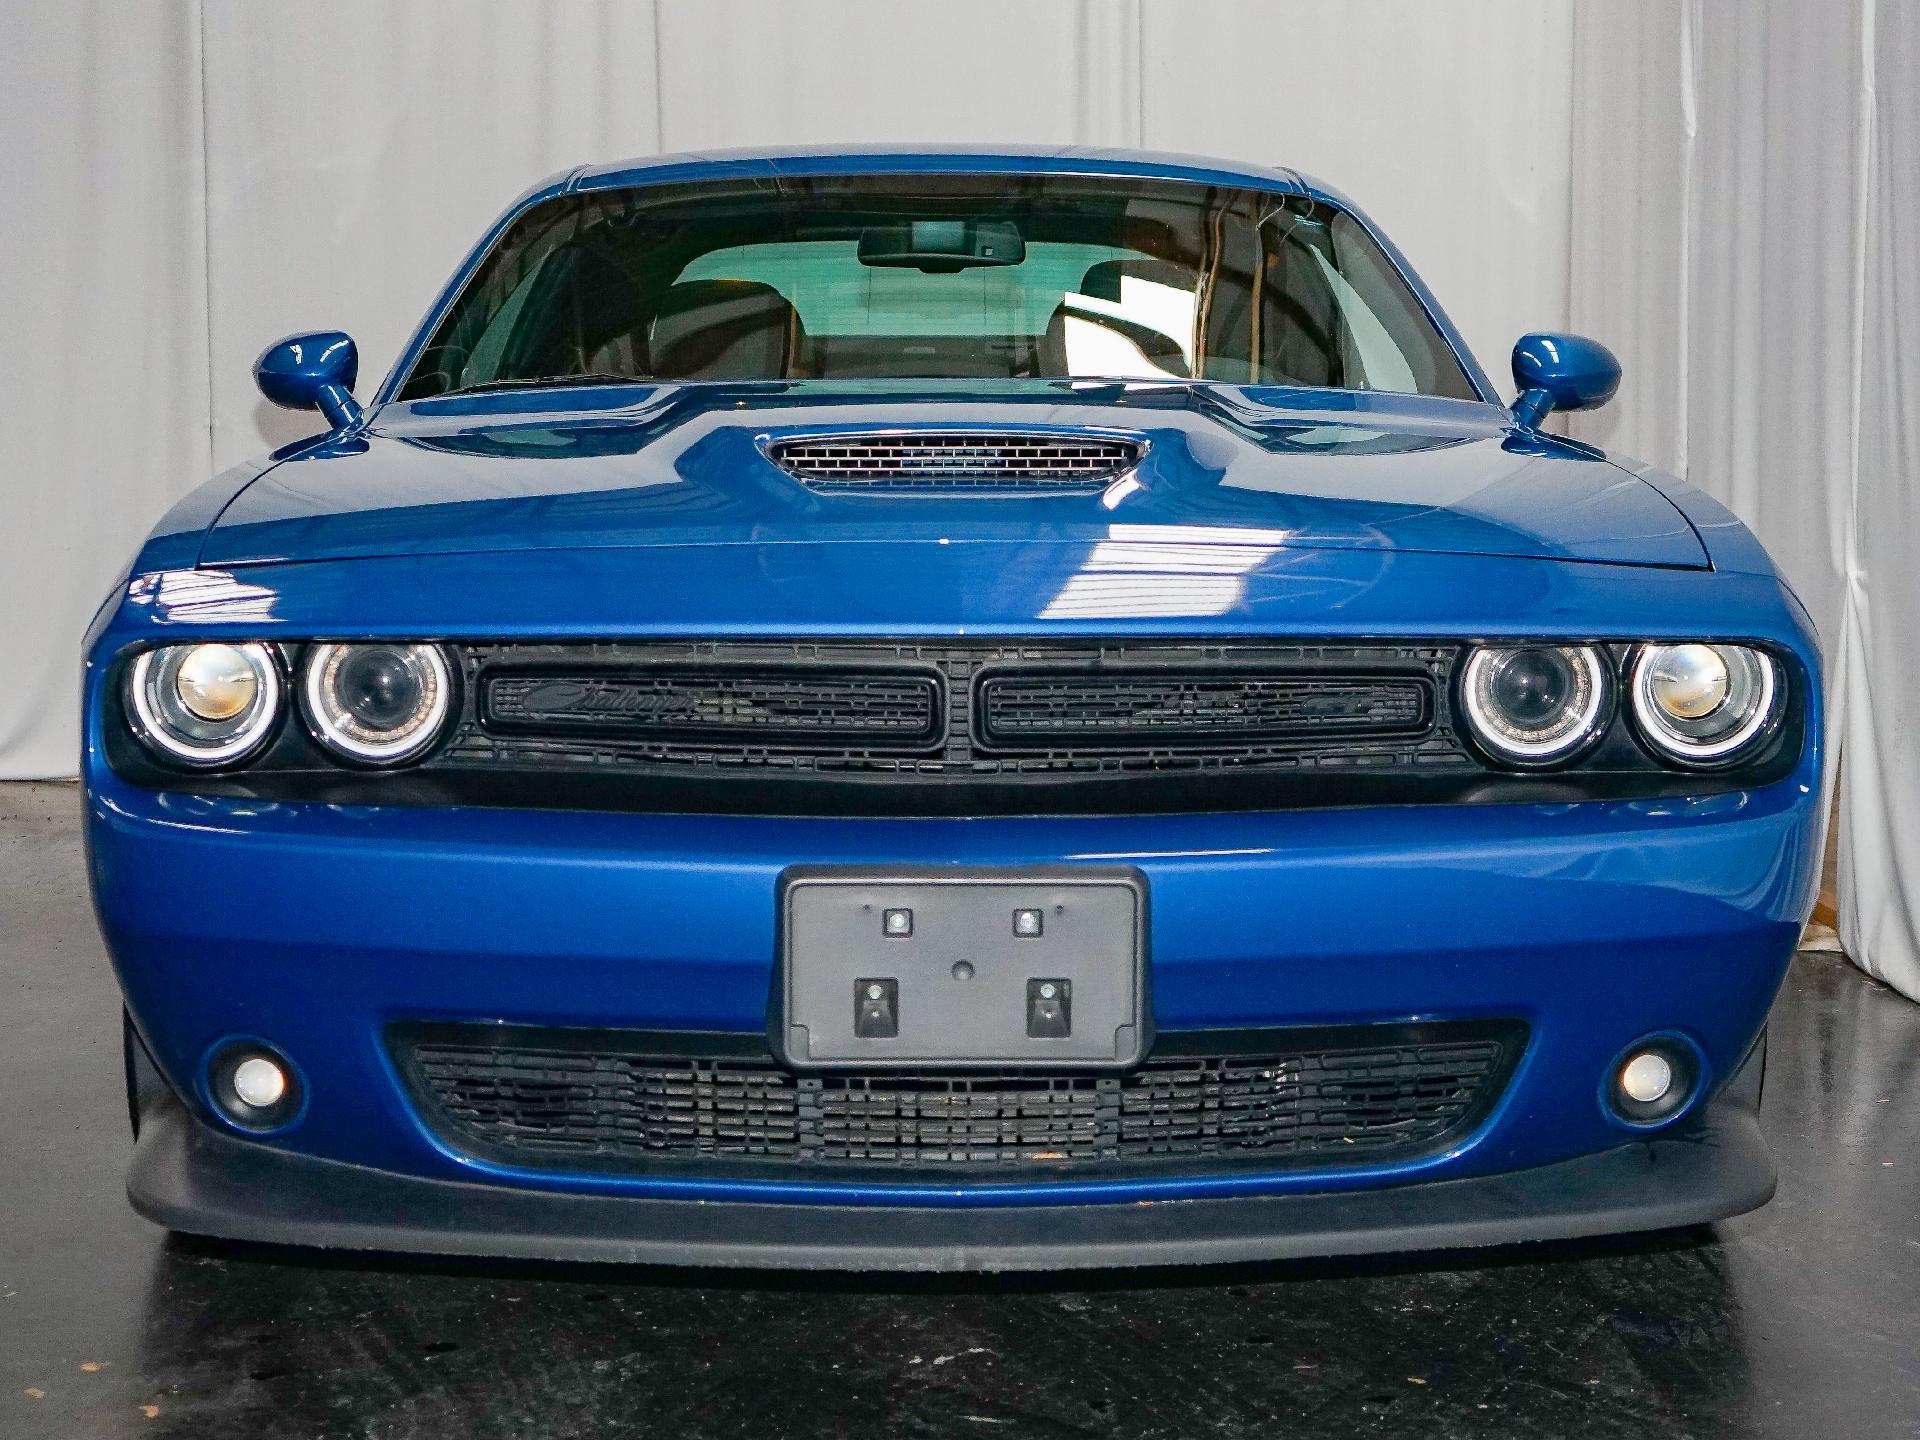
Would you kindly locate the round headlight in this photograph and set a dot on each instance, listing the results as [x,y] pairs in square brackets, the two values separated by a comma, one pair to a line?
[379,703]
[1703,704]
[204,704]
[1535,704]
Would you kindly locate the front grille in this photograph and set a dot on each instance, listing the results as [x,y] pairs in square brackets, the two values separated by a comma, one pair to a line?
[882,462]
[630,1101]
[956,715]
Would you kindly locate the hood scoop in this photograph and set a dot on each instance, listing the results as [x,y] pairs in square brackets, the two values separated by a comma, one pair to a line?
[897,462]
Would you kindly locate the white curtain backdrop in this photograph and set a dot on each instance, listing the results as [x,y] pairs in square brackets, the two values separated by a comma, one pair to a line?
[1713,189]
[1745,197]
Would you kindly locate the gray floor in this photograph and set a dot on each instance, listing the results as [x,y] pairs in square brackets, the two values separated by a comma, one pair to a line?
[1799,1320]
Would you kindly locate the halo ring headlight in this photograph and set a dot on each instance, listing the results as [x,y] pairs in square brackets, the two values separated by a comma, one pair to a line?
[204,705]
[378,703]
[1704,704]
[1536,705]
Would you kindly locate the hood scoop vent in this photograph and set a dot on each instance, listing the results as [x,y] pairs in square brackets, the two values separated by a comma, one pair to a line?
[897,462]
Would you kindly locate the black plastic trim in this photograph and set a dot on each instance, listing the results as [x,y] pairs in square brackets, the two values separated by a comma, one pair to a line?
[187,1177]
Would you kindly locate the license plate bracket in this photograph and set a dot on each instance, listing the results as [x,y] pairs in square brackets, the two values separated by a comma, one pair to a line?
[965,968]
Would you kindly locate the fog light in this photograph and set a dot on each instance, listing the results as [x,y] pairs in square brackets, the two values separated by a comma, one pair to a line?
[253,1087]
[260,1083]
[1653,1081]
[1646,1077]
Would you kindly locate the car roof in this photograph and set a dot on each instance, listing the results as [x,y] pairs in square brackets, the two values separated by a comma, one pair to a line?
[948,159]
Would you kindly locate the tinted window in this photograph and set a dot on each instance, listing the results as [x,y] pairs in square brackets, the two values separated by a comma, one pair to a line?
[993,277]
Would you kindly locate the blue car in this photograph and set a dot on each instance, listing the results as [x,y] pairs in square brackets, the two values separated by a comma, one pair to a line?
[946,710]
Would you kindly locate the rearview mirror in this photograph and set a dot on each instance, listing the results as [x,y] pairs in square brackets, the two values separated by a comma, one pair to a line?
[312,372]
[940,247]
[1561,372]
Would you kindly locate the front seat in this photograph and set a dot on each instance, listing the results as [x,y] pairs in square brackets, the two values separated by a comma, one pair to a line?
[1088,338]
[724,330]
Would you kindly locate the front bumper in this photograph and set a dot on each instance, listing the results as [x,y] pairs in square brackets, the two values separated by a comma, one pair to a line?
[318,928]
[190,1178]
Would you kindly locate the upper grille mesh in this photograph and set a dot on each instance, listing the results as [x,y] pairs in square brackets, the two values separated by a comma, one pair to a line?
[1008,709]
[1089,710]
[718,703]
[879,462]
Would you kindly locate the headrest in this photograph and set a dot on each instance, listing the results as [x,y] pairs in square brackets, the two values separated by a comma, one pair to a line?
[722,330]
[1102,281]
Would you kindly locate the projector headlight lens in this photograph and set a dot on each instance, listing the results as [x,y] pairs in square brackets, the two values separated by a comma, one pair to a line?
[1704,704]
[204,705]
[1535,704]
[379,704]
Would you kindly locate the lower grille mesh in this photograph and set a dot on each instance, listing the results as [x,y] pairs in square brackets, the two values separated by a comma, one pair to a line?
[604,1102]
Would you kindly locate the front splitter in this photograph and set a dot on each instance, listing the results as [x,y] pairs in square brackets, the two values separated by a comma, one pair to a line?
[188,1177]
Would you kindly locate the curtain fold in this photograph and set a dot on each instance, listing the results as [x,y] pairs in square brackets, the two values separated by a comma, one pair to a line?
[104,400]
[1746,186]
[1880,745]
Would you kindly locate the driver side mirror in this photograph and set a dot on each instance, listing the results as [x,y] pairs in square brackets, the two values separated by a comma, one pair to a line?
[312,372]
[1560,372]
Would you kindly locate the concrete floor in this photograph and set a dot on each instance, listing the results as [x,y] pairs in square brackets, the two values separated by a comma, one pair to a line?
[1799,1320]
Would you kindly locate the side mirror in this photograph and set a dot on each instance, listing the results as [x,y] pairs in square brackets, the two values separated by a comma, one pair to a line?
[1561,372]
[312,372]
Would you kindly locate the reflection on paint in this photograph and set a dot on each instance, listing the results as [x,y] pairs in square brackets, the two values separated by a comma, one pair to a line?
[1143,578]
[203,597]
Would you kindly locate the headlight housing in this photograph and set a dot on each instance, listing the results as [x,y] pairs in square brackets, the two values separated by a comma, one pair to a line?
[204,705]
[1704,704]
[380,703]
[1536,705]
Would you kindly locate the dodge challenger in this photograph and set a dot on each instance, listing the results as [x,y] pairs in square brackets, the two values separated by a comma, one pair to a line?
[946,710]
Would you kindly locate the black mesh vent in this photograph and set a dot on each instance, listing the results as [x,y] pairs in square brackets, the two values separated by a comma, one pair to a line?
[607,1099]
[1223,707]
[1006,711]
[883,462]
[718,703]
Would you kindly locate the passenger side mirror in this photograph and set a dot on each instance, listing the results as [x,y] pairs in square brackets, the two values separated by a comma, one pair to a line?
[312,372]
[1560,372]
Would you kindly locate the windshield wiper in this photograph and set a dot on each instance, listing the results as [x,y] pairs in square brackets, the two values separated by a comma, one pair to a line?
[553,382]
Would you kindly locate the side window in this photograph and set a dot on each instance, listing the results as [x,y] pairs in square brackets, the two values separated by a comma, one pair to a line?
[1369,358]
[547,300]
[1389,338]
[494,350]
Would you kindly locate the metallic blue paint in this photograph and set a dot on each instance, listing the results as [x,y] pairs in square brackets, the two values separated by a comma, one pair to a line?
[312,372]
[676,465]
[1561,372]
[650,510]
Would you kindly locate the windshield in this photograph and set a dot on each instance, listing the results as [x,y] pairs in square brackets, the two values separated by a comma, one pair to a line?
[938,277]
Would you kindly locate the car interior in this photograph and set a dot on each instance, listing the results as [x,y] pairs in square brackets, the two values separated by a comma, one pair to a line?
[606,291]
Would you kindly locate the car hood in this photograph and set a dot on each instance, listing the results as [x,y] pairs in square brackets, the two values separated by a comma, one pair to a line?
[648,466]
